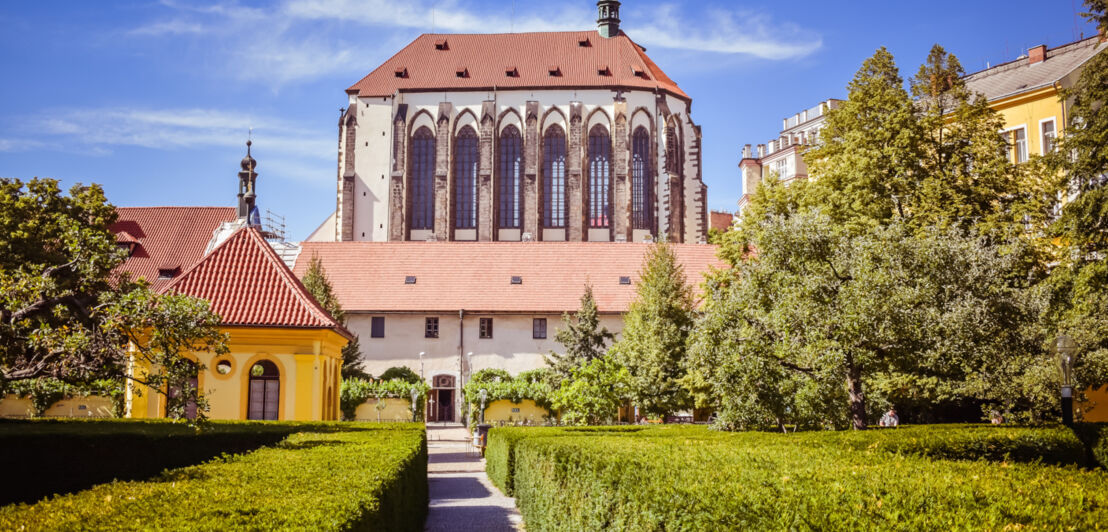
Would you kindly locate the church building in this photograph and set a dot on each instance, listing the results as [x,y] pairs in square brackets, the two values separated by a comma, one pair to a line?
[553,136]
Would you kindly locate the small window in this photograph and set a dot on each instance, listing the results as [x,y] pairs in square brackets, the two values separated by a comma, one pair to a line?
[409,279]
[1047,127]
[624,280]
[377,327]
[584,43]
[441,44]
[538,328]
[431,328]
[486,327]
[167,273]
[554,70]
[517,279]
[401,72]
[1017,139]
[603,70]
[511,72]
[462,72]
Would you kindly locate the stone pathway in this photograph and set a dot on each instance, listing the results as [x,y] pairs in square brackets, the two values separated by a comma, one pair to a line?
[462,498]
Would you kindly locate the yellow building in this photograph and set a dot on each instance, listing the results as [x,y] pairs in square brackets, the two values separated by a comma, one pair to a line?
[1027,93]
[285,351]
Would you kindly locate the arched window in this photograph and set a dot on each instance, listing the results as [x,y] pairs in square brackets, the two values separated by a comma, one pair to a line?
[554,177]
[465,179]
[511,170]
[600,151]
[642,181]
[265,391]
[423,179]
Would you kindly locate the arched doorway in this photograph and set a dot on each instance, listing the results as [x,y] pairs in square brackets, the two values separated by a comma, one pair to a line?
[265,391]
[441,404]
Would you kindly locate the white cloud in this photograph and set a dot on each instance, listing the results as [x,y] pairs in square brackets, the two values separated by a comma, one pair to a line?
[728,32]
[178,128]
[442,17]
[14,145]
[169,27]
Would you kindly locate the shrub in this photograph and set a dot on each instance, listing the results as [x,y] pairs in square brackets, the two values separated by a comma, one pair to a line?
[657,481]
[364,476]
[45,457]
[403,373]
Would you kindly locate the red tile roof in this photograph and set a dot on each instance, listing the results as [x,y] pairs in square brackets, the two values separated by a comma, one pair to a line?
[426,64]
[166,237]
[248,284]
[476,276]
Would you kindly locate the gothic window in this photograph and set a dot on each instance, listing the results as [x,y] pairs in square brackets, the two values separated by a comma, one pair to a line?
[642,181]
[465,179]
[600,151]
[511,169]
[554,177]
[423,179]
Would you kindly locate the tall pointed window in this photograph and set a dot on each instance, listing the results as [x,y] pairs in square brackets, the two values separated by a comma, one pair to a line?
[511,170]
[554,177]
[600,151]
[423,177]
[642,181]
[465,179]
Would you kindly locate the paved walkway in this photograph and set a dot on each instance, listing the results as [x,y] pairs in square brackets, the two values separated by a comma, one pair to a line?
[462,498]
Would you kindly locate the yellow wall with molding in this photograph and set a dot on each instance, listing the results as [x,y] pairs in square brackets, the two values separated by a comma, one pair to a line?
[394,410]
[507,411]
[309,362]
[12,405]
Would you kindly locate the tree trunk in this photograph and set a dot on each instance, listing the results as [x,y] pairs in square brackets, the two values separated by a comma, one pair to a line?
[857,396]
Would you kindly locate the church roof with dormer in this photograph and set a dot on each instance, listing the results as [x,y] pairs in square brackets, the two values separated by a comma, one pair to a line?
[517,61]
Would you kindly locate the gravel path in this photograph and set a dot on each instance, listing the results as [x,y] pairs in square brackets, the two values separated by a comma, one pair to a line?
[462,498]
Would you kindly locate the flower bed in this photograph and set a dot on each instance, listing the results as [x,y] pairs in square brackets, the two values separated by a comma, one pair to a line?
[322,477]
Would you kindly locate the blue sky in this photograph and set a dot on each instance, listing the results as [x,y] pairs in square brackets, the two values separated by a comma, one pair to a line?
[153,99]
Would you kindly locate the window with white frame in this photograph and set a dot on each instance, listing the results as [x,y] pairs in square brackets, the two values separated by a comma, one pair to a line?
[1046,130]
[1017,138]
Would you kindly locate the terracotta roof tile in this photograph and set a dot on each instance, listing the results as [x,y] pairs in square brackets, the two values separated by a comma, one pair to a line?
[173,237]
[476,276]
[248,284]
[432,62]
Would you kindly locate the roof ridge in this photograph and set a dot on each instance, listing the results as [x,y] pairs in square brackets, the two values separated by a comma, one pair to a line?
[1022,61]
[293,283]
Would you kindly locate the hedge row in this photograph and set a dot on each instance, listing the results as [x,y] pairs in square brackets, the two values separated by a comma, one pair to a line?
[46,457]
[764,481]
[362,477]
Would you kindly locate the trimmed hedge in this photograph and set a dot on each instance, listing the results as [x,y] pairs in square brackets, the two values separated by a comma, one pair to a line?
[681,481]
[363,476]
[47,457]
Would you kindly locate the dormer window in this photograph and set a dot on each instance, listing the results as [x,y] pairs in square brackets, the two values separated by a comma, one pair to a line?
[511,72]
[410,279]
[167,273]
[639,72]
[401,72]
[625,280]
[517,279]
[603,70]
[584,43]
[441,45]
[554,70]
[461,72]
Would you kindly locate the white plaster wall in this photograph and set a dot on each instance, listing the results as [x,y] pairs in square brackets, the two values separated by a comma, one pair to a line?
[511,348]
[374,140]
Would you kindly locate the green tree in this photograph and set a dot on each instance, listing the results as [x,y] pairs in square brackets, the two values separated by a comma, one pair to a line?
[66,313]
[868,160]
[966,177]
[316,282]
[1078,284]
[820,303]
[582,336]
[593,394]
[403,373]
[652,345]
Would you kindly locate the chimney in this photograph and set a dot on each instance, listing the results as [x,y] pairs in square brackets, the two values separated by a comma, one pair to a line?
[1036,54]
[761,150]
[746,152]
[607,21]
